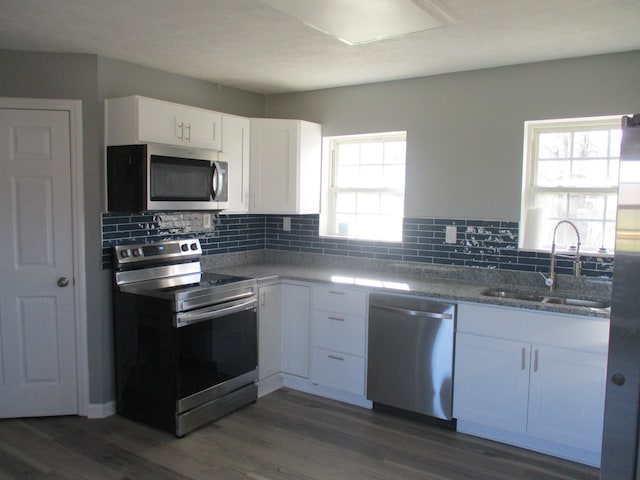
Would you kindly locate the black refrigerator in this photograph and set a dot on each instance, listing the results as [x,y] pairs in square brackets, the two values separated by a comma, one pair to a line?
[620,437]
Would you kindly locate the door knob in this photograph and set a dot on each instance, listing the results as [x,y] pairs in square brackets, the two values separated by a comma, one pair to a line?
[63,282]
[618,379]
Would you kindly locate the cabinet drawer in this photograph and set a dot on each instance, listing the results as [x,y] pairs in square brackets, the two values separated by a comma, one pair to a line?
[339,299]
[338,370]
[335,331]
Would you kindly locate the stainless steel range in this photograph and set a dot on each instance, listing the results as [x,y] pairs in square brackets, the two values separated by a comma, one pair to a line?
[185,340]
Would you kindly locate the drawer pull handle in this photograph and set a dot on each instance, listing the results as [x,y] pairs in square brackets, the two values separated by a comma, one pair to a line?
[522,359]
[333,292]
[535,360]
[337,319]
[334,357]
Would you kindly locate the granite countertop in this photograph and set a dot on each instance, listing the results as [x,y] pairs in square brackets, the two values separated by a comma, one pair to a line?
[446,283]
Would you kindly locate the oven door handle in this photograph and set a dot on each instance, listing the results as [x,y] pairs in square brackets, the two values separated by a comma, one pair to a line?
[203,314]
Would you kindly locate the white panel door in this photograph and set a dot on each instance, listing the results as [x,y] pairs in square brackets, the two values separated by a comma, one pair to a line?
[37,325]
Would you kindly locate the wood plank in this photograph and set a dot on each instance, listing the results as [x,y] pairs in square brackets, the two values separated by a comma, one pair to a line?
[286,435]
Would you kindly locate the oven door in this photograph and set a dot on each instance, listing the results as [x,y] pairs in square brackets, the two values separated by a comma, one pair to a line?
[217,351]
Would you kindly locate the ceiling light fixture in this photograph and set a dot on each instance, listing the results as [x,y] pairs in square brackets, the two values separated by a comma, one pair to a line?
[357,22]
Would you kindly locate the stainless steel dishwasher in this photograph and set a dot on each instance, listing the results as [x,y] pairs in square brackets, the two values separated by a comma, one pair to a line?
[410,357]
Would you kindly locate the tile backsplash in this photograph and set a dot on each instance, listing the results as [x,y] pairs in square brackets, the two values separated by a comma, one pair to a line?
[479,243]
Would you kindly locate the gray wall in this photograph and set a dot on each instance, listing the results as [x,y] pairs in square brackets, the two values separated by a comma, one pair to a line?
[91,79]
[465,130]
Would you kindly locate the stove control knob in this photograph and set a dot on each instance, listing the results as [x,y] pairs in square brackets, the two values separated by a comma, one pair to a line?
[137,252]
[194,246]
[184,247]
[125,253]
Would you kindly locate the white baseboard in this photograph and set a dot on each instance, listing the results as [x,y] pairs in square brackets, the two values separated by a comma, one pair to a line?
[101,410]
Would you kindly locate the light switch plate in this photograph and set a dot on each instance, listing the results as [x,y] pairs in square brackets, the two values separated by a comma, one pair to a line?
[286,224]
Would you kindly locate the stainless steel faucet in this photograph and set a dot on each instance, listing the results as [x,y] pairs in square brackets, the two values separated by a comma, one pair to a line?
[551,281]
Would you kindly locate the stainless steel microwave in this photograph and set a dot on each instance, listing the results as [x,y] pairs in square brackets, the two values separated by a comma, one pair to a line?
[152,177]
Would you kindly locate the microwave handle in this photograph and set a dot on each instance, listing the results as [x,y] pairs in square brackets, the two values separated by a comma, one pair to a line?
[216,180]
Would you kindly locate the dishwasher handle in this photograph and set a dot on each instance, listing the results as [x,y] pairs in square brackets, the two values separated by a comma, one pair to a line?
[413,313]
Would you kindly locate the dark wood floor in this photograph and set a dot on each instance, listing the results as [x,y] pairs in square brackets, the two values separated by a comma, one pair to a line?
[285,435]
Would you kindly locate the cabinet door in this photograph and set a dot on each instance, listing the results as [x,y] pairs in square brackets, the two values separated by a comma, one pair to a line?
[158,122]
[338,370]
[269,330]
[339,332]
[273,165]
[235,151]
[566,403]
[202,128]
[491,382]
[295,329]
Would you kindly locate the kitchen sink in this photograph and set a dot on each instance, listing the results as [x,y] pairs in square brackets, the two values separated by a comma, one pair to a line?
[532,297]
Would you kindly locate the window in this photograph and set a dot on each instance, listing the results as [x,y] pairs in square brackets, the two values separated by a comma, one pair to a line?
[364,186]
[571,173]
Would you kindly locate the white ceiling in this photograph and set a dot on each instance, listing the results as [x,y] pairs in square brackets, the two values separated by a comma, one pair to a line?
[250,45]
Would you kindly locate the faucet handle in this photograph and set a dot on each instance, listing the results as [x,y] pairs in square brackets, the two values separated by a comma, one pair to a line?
[548,281]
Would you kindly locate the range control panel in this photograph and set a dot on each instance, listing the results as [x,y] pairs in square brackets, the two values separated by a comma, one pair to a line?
[158,251]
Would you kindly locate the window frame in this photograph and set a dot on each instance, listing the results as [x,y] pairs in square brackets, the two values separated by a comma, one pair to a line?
[328,211]
[532,132]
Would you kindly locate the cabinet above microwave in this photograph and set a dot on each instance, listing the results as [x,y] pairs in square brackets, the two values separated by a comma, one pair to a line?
[136,119]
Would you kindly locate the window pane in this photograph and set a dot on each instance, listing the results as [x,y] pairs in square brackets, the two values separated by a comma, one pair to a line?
[554,204]
[590,173]
[371,176]
[368,203]
[348,153]
[616,138]
[586,206]
[345,202]
[553,173]
[372,153]
[394,176]
[392,204]
[394,152]
[554,145]
[591,144]
[612,207]
[348,176]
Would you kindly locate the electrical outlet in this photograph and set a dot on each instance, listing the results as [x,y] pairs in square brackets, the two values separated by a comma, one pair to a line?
[286,224]
[451,234]
[206,221]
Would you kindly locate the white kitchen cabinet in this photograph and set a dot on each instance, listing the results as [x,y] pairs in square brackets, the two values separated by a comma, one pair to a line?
[235,151]
[269,330]
[338,338]
[285,166]
[136,119]
[533,379]
[492,382]
[566,397]
[295,329]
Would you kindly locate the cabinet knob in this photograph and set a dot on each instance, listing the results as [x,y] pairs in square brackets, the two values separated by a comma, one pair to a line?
[618,379]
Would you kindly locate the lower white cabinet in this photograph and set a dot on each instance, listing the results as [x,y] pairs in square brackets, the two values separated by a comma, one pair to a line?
[269,330]
[338,370]
[533,379]
[338,338]
[295,330]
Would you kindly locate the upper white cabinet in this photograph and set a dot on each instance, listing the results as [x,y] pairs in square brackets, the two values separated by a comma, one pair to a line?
[534,379]
[235,151]
[285,166]
[137,119]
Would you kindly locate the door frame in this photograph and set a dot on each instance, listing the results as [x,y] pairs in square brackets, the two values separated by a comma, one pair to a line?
[74,108]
